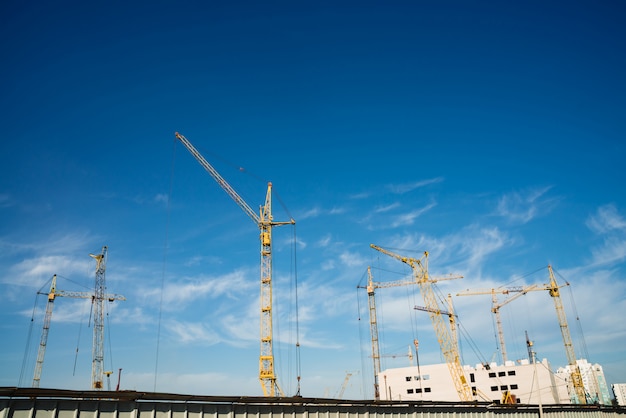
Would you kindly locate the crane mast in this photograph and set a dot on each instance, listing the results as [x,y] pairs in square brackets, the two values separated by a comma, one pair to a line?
[373,331]
[97,364]
[265,222]
[446,341]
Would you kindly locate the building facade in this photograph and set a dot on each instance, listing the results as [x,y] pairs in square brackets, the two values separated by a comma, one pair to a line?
[524,383]
[594,381]
[619,390]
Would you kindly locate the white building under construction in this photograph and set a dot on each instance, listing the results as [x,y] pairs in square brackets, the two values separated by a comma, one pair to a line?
[520,382]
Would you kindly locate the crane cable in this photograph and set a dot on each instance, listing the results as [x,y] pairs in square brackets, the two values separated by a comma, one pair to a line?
[295,275]
[28,338]
[163,269]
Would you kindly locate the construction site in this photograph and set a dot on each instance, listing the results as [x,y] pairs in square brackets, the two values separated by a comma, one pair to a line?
[528,387]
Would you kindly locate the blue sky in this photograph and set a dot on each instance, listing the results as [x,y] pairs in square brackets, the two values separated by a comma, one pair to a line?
[490,134]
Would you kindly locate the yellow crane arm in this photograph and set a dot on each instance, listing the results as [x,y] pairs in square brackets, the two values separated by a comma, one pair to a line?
[219,179]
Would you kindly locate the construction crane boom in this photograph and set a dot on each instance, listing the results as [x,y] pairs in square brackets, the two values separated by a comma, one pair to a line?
[265,222]
[447,343]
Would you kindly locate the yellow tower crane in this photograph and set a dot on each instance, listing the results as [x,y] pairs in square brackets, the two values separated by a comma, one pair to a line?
[97,299]
[577,379]
[265,222]
[495,307]
[447,343]
[554,292]
[371,301]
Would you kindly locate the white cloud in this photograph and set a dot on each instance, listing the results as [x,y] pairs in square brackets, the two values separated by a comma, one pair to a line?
[522,207]
[192,332]
[177,295]
[407,187]
[409,218]
[605,220]
[386,208]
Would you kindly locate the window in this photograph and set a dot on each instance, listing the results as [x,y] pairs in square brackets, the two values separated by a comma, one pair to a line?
[426,376]
[418,390]
[408,378]
[501,374]
[426,389]
[416,377]
[503,387]
[511,373]
[472,378]
[409,391]
[492,374]
[513,386]
[494,388]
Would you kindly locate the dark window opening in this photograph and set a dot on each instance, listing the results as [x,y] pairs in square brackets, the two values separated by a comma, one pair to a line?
[409,391]
[408,378]
[513,386]
[503,387]
[501,373]
[472,378]
[492,374]
[426,389]
[511,373]
[494,388]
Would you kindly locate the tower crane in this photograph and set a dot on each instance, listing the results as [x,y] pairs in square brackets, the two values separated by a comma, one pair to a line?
[446,342]
[265,222]
[554,292]
[495,307]
[577,379]
[371,299]
[98,325]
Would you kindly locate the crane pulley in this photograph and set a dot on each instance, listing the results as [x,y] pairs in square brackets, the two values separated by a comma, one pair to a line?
[264,220]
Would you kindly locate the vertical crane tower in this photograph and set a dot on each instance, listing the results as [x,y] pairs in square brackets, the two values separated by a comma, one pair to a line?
[265,222]
[97,364]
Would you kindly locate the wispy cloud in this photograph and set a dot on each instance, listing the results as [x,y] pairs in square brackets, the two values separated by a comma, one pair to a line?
[179,294]
[192,332]
[522,207]
[407,187]
[606,219]
[387,208]
[409,218]
[608,223]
